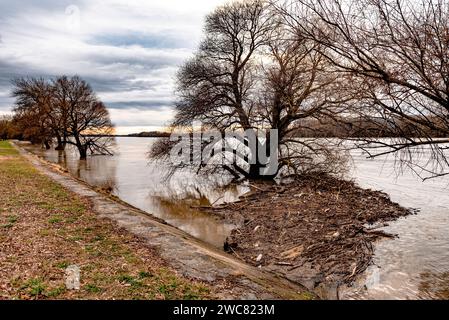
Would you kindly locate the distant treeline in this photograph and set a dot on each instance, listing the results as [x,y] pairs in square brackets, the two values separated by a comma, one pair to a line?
[363,128]
[150,134]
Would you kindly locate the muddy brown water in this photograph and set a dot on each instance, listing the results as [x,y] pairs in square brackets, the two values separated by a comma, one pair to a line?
[131,177]
[413,266]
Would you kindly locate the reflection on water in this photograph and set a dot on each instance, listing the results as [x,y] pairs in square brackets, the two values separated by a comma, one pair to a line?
[130,176]
[415,265]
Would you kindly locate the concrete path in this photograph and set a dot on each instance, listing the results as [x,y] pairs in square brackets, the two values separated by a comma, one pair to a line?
[184,253]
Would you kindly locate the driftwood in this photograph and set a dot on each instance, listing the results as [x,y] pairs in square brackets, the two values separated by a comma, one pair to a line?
[334,222]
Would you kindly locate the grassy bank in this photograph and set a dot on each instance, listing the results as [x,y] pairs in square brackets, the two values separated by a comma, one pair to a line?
[44,229]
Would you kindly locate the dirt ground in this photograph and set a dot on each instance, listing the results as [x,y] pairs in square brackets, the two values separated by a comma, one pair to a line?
[316,230]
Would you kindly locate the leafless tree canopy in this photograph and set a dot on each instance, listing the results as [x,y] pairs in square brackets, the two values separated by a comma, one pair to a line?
[251,73]
[64,109]
[396,54]
[32,110]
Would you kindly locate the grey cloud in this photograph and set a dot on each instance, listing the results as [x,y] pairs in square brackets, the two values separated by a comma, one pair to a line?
[6,104]
[141,105]
[9,8]
[164,40]
[138,63]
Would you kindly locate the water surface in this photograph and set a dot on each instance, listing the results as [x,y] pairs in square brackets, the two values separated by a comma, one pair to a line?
[416,264]
[137,181]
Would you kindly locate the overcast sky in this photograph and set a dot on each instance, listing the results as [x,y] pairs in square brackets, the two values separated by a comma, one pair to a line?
[128,50]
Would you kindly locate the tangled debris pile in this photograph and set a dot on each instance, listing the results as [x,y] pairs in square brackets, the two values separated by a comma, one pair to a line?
[317,228]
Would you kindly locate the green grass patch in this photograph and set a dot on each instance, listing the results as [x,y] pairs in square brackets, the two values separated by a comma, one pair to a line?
[130,280]
[4,144]
[62,265]
[55,219]
[12,219]
[74,208]
[98,238]
[10,222]
[191,293]
[76,238]
[53,293]
[144,275]
[18,169]
[6,149]
[35,287]
[91,288]
[168,289]
[71,219]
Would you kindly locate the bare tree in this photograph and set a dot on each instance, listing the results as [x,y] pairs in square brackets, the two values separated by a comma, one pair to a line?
[397,55]
[217,86]
[60,112]
[86,119]
[250,73]
[65,109]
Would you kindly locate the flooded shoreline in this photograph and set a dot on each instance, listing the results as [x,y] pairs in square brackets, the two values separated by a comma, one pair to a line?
[413,266]
[129,176]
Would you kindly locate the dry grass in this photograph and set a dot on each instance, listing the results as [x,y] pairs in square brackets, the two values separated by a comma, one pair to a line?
[44,228]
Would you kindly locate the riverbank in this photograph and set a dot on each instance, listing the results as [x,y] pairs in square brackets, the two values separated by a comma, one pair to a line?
[203,272]
[316,230]
[44,229]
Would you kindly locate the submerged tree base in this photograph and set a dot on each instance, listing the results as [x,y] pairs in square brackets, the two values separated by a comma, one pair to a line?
[317,230]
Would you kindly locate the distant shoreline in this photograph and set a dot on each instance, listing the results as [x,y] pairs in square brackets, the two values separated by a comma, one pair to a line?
[154,134]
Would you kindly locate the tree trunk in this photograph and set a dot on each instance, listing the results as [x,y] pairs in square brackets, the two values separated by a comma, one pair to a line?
[61,144]
[83,152]
[255,173]
[256,170]
[47,144]
[82,148]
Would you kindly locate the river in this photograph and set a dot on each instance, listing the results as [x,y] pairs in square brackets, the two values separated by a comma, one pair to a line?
[130,176]
[413,266]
